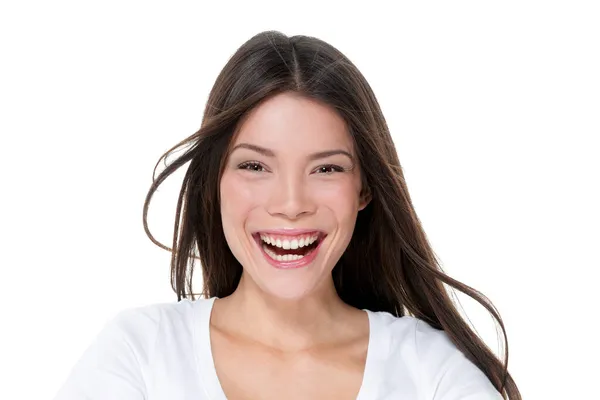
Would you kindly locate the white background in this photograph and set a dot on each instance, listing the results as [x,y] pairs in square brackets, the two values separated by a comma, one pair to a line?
[494,109]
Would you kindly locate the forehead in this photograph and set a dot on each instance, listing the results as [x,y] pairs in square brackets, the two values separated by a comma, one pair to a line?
[289,120]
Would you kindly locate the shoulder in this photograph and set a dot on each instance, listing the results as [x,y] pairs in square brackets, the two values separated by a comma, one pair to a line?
[144,320]
[121,360]
[412,336]
[142,324]
[147,329]
[437,367]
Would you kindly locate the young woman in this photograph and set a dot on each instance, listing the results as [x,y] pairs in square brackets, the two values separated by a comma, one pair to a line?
[319,282]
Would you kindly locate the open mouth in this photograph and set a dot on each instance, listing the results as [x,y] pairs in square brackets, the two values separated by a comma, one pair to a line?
[289,248]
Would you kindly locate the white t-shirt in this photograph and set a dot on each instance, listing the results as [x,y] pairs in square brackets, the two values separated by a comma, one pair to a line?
[162,352]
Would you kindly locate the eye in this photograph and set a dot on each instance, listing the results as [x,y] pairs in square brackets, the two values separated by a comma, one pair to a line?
[329,169]
[253,166]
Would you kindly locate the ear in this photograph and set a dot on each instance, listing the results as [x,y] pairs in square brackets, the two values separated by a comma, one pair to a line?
[365,199]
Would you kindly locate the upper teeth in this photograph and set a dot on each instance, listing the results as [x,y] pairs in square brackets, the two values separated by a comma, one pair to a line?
[296,242]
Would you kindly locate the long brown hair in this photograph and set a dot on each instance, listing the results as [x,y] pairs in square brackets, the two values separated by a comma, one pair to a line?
[389,264]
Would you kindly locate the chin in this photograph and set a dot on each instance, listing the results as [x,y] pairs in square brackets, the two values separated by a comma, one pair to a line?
[288,292]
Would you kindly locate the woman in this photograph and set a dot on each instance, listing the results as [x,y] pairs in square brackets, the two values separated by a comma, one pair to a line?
[319,282]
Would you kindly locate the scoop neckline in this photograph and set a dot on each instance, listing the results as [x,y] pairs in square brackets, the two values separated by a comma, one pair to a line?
[206,365]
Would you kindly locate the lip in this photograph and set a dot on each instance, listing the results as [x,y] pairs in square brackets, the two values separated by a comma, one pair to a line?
[303,262]
[289,232]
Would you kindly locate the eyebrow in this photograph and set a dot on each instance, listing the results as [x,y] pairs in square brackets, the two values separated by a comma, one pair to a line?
[314,156]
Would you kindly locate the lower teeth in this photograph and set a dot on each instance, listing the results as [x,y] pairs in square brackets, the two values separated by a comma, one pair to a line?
[285,257]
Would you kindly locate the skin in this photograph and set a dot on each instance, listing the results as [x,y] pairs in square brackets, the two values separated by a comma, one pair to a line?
[306,340]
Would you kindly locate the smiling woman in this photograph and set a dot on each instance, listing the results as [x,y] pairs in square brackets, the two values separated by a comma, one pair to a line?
[319,281]
[296,208]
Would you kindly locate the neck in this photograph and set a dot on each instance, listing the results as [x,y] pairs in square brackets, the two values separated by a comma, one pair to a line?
[284,324]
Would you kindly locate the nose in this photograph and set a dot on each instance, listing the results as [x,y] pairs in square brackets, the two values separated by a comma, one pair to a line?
[291,198]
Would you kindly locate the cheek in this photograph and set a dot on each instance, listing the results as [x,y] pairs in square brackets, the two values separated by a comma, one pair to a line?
[342,197]
[342,202]
[233,203]
[237,198]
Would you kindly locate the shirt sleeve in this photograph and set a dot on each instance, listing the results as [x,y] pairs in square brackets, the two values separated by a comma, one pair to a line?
[449,374]
[111,367]
[463,380]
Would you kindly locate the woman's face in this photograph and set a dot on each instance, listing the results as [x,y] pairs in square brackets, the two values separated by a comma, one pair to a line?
[290,195]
